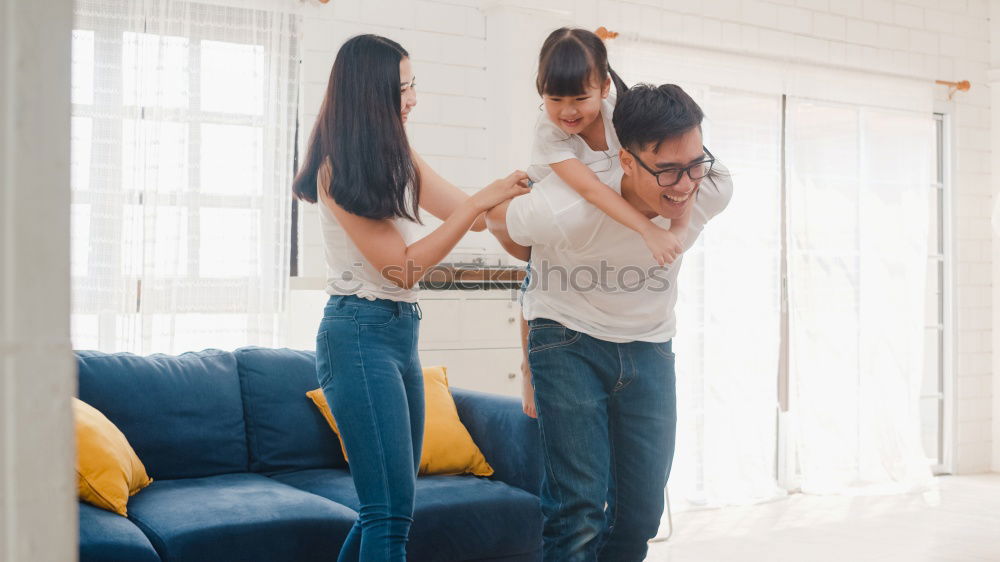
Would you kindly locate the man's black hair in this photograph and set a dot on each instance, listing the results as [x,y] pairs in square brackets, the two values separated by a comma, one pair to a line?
[646,115]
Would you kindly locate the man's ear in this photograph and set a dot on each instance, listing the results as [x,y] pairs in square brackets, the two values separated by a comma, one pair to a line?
[626,160]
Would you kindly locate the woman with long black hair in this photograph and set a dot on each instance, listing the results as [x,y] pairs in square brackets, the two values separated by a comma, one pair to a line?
[371,186]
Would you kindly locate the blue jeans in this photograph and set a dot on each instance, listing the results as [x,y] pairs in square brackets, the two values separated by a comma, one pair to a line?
[607,413]
[367,365]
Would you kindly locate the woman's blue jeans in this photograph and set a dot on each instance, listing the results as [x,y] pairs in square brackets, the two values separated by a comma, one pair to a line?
[607,413]
[367,365]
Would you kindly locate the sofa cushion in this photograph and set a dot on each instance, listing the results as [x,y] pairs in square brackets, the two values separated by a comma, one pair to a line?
[108,537]
[455,517]
[506,436]
[107,470]
[285,432]
[182,414]
[245,517]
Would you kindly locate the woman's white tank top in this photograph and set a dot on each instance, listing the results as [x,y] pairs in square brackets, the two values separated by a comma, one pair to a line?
[347,270]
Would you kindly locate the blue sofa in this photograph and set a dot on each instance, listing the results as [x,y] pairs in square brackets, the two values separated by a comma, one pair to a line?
[246,469]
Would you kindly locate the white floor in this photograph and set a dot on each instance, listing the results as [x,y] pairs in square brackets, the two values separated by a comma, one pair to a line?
[960,522]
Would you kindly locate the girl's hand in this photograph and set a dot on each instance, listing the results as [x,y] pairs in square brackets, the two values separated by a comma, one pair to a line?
[527,391]
[663,244]
[514,185]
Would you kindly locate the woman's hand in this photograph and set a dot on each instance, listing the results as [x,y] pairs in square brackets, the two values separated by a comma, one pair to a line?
[503,189]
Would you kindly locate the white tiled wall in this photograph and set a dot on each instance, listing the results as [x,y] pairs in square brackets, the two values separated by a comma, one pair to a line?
[933,39]
[447,42]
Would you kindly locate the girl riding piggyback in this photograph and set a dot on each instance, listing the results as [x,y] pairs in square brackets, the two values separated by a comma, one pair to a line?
[574,136]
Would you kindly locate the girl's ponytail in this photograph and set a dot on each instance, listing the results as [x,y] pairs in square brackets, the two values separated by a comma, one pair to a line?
[620,86]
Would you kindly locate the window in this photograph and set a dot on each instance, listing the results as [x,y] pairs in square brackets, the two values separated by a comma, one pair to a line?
[182,146]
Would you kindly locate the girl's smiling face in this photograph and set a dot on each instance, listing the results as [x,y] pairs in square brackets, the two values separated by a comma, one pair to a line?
[574,114]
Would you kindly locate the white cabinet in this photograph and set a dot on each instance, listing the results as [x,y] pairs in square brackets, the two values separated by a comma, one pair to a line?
[476,335]
[497,371]
[467,319]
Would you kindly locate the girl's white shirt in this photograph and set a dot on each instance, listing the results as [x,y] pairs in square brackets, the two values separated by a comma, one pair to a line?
[552,145]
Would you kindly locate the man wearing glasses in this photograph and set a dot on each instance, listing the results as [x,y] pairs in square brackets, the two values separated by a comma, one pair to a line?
[601,313]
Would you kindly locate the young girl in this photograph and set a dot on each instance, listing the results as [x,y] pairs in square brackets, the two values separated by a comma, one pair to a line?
[369,183]
[575,138]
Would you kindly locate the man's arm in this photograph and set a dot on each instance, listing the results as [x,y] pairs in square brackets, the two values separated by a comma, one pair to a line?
[528,221]
[496,221]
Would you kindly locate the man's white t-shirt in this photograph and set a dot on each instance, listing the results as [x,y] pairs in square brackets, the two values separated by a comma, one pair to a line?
[595,276]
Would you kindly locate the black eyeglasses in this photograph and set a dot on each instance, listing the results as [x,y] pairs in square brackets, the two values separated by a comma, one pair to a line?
[695,171]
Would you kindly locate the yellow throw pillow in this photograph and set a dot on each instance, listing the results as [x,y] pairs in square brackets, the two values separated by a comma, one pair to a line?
[448,447]
[108,471]
[319,399]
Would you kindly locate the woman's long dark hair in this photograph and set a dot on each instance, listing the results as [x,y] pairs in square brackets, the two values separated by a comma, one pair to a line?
[570,59]
[360,130]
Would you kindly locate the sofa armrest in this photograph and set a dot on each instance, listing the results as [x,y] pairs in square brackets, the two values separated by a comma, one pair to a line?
[507,437]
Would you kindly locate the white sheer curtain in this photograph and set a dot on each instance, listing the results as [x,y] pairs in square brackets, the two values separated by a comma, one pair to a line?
[728,306]
[728,313]
[857,228]
[182,154]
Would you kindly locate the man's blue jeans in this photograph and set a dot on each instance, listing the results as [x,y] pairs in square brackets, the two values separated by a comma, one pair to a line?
[607,413]
[367,365]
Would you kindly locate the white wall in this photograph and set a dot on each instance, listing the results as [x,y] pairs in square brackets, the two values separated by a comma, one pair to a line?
[472,125]
[38,517]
